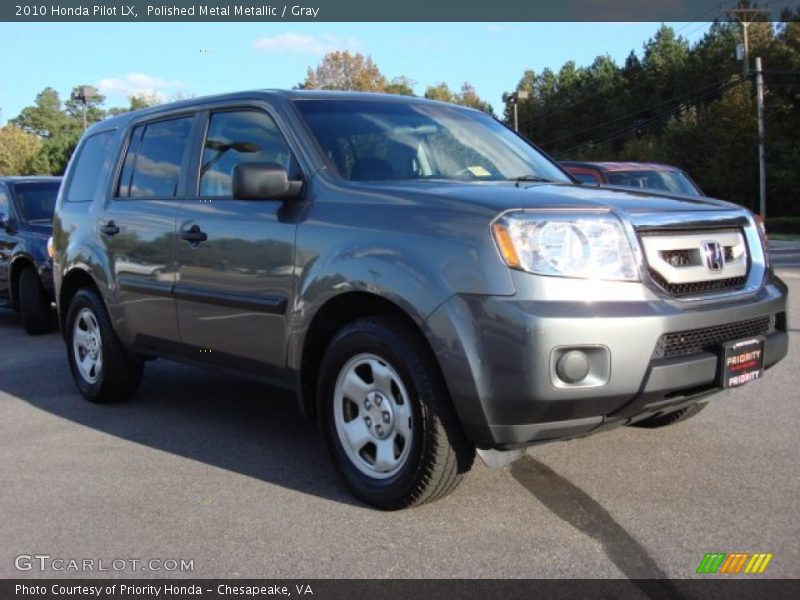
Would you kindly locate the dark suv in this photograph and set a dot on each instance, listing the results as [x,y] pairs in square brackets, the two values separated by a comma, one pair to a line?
[26,271]
[424,279]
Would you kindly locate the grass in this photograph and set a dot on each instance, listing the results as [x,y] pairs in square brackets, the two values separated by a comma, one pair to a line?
[787,237]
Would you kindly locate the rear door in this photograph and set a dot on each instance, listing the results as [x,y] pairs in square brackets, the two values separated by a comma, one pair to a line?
[138,228]
[235,257]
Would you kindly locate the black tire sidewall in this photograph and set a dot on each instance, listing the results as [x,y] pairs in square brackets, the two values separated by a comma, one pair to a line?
[86,299]
[392,491]
[33,304]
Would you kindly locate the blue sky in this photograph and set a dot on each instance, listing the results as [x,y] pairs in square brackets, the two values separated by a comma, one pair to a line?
[208,58]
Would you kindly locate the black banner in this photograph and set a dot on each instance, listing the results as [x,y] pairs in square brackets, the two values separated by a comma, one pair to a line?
[366,10]
[733,588]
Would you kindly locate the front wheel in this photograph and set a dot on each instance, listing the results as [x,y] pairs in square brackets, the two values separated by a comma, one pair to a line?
[386,417]
[102,370]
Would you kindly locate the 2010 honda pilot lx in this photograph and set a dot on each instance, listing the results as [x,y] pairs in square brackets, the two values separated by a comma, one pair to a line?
[424,279]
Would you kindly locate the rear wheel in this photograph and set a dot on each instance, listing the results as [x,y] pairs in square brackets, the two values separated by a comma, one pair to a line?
[102,370]
[34,305]
[386,417]
[671,418]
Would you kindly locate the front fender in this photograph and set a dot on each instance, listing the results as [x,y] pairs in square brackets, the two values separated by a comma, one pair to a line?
[415,272]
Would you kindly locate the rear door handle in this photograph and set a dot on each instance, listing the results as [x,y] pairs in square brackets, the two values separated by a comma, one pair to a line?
[194,235]
[110,228]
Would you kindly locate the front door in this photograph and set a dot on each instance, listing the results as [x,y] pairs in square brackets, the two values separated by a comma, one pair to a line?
[235,257]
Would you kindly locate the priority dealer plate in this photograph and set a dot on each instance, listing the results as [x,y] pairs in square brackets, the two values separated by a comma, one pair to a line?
[742,362]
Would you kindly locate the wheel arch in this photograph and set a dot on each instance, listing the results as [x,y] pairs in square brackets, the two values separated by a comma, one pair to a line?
[336,313]
[20,263]
[74,280]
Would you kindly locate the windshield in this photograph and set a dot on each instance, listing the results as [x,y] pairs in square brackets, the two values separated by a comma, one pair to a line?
[371,140]
[670,181]
[36,201]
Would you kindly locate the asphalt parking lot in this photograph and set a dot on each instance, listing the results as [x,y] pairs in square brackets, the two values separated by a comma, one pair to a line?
[227,474]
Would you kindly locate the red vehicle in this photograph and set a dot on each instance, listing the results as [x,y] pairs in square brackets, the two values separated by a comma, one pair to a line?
[655,176]
[634,174]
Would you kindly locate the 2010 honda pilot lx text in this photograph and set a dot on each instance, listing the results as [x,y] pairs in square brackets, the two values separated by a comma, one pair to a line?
[424,279]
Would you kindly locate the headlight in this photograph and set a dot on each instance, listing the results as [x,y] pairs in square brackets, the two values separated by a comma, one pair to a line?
[566,244]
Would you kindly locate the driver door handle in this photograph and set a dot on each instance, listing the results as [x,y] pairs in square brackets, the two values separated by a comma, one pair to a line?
[110,228]
[194,235]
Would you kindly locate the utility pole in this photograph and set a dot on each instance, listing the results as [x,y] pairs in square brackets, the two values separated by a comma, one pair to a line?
[762,167]
[745,16]
[514,98]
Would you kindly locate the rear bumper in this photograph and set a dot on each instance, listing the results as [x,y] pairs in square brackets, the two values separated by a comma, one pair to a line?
[499,357]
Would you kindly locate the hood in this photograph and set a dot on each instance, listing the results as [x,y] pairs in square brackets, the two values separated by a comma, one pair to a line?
[500,196]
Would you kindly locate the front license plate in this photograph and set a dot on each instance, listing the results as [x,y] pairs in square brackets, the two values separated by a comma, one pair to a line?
[742,362]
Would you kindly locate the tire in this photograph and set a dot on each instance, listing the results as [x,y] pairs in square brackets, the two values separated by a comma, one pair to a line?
[425,452]
[109,374]
[34,305]
[670,418]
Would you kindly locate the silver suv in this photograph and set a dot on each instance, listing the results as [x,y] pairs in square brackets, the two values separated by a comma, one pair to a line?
[426,281]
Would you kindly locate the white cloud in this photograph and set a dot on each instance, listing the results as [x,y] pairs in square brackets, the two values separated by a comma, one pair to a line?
[298,43]
[139,84]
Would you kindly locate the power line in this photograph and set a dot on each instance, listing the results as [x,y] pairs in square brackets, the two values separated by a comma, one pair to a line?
[656,118]
[541,115]
[624,117]
[715,7]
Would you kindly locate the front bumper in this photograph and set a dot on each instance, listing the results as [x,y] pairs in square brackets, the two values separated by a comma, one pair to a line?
[497,355]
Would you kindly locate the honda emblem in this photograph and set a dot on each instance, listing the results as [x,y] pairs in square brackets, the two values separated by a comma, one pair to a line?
[713,256]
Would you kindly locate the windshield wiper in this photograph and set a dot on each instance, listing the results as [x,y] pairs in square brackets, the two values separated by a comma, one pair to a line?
[523,178]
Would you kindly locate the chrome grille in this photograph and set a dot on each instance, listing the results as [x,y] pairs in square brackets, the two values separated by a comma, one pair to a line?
[696,262]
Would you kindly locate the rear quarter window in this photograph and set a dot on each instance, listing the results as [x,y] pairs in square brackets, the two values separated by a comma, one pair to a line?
[92,165]
[153,163]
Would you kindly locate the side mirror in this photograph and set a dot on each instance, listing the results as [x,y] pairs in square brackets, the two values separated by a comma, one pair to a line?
[264,181]
[5,222]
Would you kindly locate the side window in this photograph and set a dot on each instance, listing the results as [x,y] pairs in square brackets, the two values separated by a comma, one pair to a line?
[91,166]
[237,137]
[4,204]
[585,177]
[124,184]
[152,167]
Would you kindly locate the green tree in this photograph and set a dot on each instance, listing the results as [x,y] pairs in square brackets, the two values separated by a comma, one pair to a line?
[684,104]
[466,96]
[440,92]
[18,149]
[401,85]
[341,70]
[45,117]
[135,102]
[55,153]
